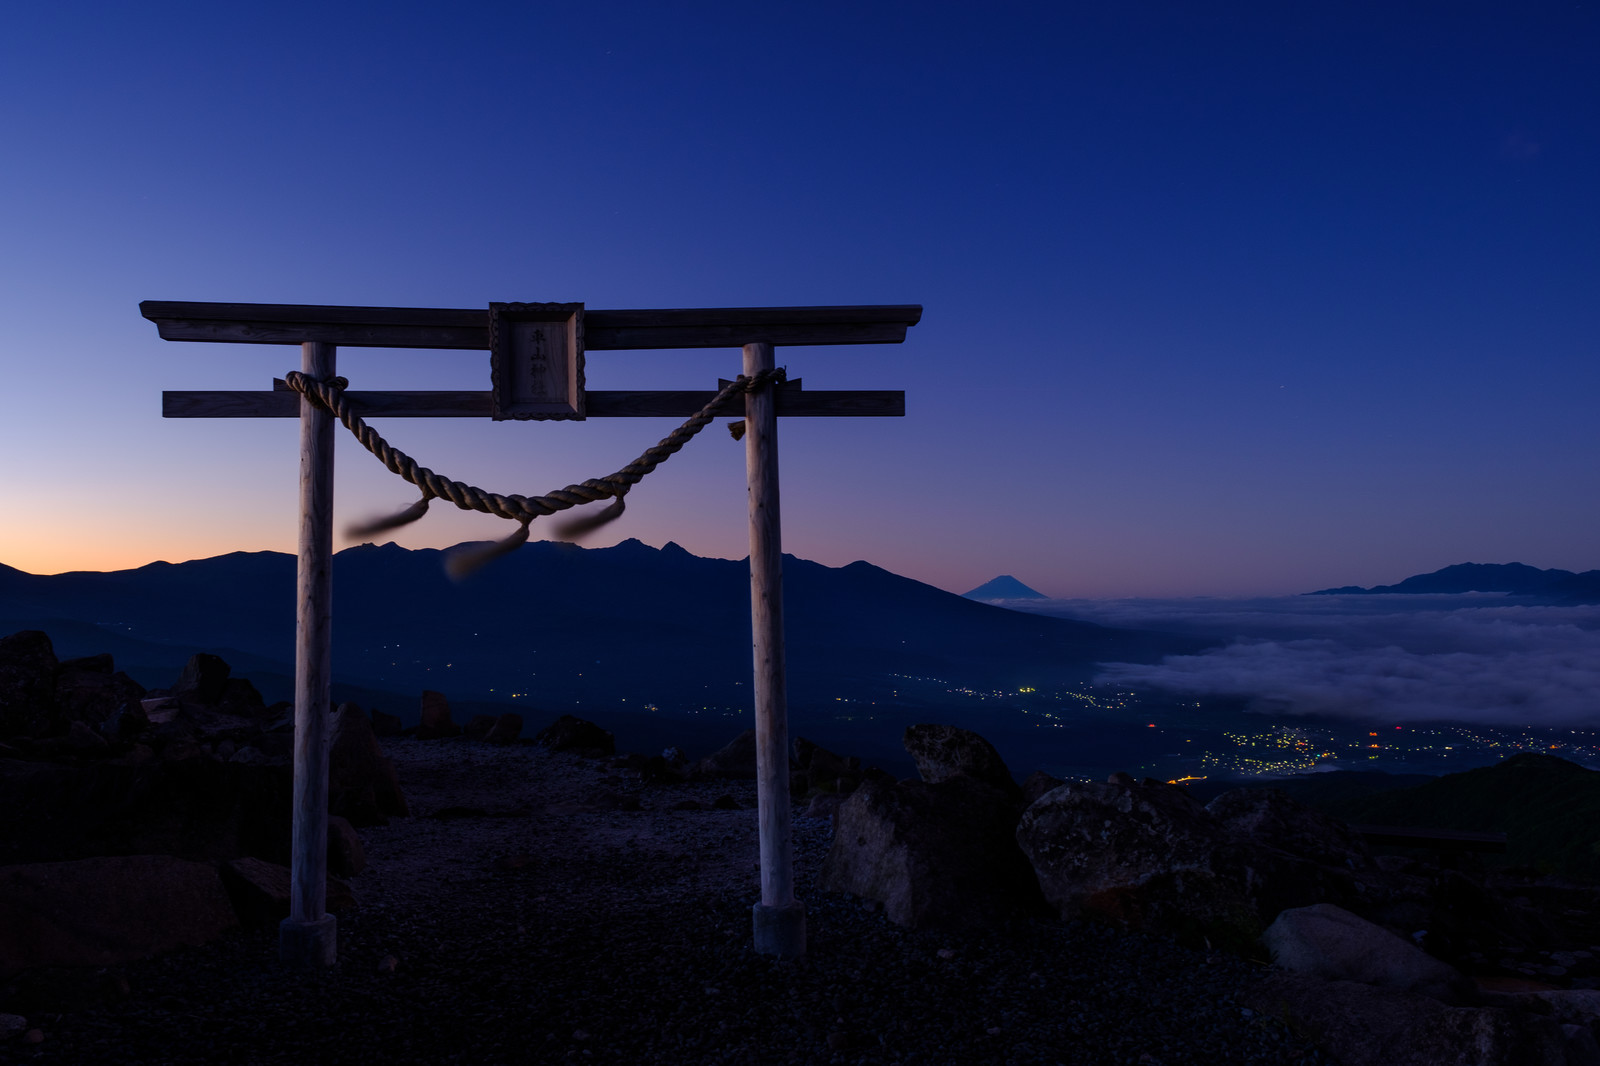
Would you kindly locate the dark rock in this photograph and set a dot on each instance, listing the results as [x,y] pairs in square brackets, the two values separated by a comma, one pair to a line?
[385,725]
[824,806]
[478,726]
[1037,784]
[818,761]
[362,783]
[27,684]
[607,800]
[1359,1025]
[126,723]
[943,751]
[89,691]
[346,856]
[935,855]
[204,679]
[79,740]
[736,760]
[507,728]
[1143,855]
[99,911]
[1269,816]
[260,891]
[688,805]
[570,733]
[240,699]
[1329,942]
[725,803]
[197,808]
[436,722]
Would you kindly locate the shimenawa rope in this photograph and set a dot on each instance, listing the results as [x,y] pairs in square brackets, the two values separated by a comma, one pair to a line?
[330,395]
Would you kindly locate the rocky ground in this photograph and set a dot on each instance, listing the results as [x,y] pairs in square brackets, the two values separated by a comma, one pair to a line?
[525,914]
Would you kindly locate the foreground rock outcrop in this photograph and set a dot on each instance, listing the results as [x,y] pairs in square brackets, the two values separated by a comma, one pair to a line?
[94,912]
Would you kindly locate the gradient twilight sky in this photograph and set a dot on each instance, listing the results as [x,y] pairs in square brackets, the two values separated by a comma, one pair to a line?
[1243,303]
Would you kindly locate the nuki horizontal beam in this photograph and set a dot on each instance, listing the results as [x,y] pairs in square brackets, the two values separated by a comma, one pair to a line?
[282,403]
[468,328]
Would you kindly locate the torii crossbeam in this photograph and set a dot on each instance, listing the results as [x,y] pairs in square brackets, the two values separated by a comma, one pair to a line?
[531,382]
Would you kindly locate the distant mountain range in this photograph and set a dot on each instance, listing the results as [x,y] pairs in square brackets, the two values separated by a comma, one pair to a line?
[554,625]
[1516,579]
[1004,587]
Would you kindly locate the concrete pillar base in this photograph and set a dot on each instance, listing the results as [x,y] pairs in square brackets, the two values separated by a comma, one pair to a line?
[780,931]
[309,943]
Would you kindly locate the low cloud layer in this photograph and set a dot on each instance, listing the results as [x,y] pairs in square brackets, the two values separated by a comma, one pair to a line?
[1404,659]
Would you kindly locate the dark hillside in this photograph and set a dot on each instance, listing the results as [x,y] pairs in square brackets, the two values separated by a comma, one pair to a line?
[1548,808]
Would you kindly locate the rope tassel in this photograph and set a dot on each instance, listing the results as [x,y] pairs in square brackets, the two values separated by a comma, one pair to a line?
[464,561]
[394,521]
[583,525]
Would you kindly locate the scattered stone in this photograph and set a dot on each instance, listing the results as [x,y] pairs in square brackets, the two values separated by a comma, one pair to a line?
[436,722]
[570,733]
[11,1025]
[1360,1025]
[943,751]
[513,862]
[1329,942]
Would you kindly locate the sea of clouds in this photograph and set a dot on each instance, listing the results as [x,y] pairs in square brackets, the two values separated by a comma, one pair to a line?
[1463,658]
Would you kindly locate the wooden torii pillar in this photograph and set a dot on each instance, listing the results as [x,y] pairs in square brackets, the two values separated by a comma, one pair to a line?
[309,934]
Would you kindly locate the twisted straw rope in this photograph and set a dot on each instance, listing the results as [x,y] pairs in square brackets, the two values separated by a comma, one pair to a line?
[330,396]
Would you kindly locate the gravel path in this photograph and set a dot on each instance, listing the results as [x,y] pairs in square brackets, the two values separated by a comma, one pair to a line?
[541,930]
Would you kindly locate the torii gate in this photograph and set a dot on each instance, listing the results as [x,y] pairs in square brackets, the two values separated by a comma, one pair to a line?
[537,361]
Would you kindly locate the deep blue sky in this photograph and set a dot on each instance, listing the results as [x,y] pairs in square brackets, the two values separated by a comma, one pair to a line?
[1246,303]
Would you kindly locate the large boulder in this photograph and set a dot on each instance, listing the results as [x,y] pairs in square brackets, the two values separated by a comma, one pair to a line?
[736,759]
[1141,855]
[204,679]
[91,690]
[943,751]
[99,911]
[935,855]
[1360,1025]
[362,783]
[570,733]
[1271,817]
[260,891]
[1329,942]
[436,722]
[197,808]
[27,684]
[507,728]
